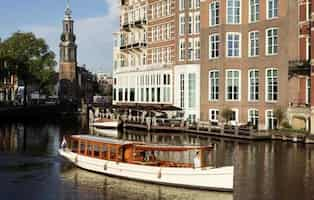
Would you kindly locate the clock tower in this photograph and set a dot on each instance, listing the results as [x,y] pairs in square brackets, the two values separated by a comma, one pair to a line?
[68,61]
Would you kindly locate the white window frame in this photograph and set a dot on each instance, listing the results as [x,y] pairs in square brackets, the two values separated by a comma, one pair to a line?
[197,48]
[197,22]
[256,11]
[190,24]
[197,4]
[215,116]
[272,117]
[256,44]
[236,121]
[191,90]
[273,16]
[307,91]
[182,49]
[255,117]
[191,49]
[307,46]
[182,90]
[181,5]
[182,24]
[233,13]
[233,50]
[308,10]
[266,86]
[210,85]
[168,32]
[273,43]
[226,85]
[217,44]
[249,85]
[212,14]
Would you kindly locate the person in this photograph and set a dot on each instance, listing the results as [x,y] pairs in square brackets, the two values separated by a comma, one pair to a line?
[63,143]
[197,161]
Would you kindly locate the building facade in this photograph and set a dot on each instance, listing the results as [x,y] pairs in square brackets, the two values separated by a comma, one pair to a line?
[208,55]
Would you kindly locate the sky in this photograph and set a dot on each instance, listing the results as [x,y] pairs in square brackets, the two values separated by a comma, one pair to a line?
[95,21]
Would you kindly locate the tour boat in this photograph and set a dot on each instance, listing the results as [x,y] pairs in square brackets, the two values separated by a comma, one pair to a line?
[129,160]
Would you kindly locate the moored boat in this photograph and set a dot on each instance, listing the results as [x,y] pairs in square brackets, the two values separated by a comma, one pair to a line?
[138,161]
[106,124]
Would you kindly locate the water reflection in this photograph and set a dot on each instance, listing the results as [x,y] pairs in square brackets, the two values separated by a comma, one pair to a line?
[263,170]
[86,185]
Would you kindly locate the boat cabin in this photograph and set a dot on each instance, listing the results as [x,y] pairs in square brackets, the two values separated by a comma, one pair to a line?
[130,152]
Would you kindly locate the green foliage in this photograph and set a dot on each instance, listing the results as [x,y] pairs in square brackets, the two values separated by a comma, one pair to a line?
[29,58]
[226,114]
[279,114]
[285,124]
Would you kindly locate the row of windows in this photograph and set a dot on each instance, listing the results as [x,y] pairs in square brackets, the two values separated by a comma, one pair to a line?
[154,79]
[136,14]
[161,55]
[194,49]
[233,43]
[193,23]
[148,95]
[233,85]
[161,32]
[253,117]
[133,37]
[233,10]
[192,4]
[161,9]
[130,60]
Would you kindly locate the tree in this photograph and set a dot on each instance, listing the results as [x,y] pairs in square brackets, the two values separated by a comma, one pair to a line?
[28,57]
[279,114]
[226,114]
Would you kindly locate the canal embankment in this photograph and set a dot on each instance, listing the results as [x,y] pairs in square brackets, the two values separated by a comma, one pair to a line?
[243,132]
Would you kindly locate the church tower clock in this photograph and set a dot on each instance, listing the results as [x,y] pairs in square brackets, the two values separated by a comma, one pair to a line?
[68,61]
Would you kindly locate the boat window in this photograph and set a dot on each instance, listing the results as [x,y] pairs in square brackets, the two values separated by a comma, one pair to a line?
[82,148]
[96,150]
[74,146]
[89,149]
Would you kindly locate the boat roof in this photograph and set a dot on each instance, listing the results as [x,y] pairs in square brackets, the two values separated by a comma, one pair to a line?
[101,139]
[154,147]
[138,145]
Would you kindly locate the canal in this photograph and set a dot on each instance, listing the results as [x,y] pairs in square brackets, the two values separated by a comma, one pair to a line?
[31,169]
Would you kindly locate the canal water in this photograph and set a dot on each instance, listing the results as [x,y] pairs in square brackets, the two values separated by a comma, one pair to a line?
[31,169]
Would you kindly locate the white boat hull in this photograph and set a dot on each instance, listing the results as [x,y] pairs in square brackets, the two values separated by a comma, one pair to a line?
[105,132]
[216,179]
[108,124]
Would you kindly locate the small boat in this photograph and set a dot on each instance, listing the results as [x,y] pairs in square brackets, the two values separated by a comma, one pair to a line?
[113,133]
[129,160]
[105,124]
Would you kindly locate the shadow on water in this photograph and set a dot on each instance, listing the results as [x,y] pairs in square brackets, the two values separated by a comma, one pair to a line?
[30,165]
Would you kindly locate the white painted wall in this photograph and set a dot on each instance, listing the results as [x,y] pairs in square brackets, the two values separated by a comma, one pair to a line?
[186,69]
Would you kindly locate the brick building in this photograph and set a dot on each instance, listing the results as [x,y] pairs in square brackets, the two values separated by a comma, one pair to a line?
[250,56]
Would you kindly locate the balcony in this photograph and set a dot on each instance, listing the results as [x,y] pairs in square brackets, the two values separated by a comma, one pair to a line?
[299,67]
[140,23]
[141,68]
[134,46]
[131,24]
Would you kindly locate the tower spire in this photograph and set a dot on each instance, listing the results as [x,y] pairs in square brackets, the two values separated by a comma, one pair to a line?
[68,11]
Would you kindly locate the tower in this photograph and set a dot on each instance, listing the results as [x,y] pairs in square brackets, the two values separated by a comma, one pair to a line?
[68,61]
